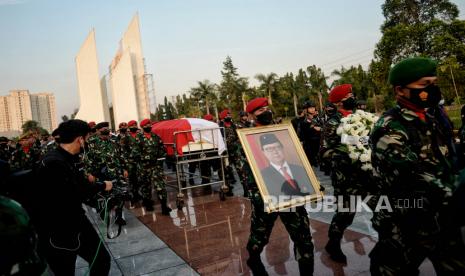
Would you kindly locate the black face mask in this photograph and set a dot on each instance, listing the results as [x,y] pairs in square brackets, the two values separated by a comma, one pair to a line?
[228,119]
[133,129]
[265,118]
[105,132]
[349,104]
[425,97]
[123,130]
[147,129]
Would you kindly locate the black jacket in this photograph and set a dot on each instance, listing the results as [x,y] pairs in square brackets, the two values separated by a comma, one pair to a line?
[277,184]
[61,189]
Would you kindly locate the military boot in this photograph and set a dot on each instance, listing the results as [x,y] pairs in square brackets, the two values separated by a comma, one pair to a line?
[306,267]
[255,264]
[333,247]
[165,210]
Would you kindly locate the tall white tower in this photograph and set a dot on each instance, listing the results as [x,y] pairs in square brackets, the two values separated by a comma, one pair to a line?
[93,99]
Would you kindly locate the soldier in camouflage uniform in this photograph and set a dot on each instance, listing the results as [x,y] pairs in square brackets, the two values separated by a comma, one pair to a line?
[150,169]
[243,120]
[131,153]
[231,139]
[26,153]
[5,150]
[296,223]
[412,152]
[347,177]
[310,133]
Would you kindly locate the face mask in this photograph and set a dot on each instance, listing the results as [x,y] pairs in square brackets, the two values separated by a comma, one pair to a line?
[425,97]
[105,132]
[265,118]
[133,129]
[349,104]
[147,129]
[228,119]
[123,130]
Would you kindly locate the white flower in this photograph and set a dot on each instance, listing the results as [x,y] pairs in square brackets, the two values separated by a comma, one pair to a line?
[365,157]
[347,127]
[339,130]
[367,167]
[365,132]
[344,120]
[354,156]
[355,118]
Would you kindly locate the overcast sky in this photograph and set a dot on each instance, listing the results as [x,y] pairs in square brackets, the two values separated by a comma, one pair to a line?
[183,41]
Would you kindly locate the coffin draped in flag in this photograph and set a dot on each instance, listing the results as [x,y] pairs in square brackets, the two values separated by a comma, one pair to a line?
[189,134]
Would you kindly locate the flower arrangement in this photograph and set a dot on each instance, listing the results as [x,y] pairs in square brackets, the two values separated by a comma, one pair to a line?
[354,131]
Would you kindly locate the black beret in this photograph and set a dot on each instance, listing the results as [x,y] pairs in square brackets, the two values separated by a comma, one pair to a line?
[412,69]
[102,125]
[3,139]
[268,138]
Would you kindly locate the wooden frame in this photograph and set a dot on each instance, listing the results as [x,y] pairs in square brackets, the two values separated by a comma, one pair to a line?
[262,146]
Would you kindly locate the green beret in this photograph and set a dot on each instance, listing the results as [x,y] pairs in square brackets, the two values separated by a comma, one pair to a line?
[412,69]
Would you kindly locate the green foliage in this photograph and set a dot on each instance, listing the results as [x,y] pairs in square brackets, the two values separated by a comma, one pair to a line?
[31,126]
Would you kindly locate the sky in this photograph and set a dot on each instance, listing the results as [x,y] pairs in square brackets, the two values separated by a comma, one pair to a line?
[183,41]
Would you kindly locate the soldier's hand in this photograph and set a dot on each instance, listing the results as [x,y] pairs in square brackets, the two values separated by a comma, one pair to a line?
[125,174]
[108,185]
[91,178]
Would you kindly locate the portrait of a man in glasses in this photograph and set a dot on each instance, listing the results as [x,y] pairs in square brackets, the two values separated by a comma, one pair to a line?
[281,177]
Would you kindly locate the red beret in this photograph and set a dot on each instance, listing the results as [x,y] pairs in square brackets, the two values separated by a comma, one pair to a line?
[224,113]
[256,104]
[122,124]
[91,124]
[132,123]
[145,122]
[339,92]
[208,117]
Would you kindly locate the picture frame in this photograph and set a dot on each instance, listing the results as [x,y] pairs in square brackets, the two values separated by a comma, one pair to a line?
[280,166]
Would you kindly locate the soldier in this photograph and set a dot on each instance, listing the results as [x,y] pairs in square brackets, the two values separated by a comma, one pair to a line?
[5,150]
[362,105]
[325,163]
[26,153]
[104,161]
[150,169]
[412,152]
[243,120]
[296,223]
[231,139]
[132,155]
[310,133]
[347,177]
[297,120]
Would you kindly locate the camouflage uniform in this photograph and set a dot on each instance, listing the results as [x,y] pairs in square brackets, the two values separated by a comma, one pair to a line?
[103,159]
[347,177]
[413,159]
[311,138]
[130,152]
[150,169]
[296,223]
[25,158]
[231,141]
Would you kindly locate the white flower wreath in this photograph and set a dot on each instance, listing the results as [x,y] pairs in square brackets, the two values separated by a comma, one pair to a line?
[354,131]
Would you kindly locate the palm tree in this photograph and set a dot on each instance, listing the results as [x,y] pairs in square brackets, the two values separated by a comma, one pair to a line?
[267,84]
[206,92]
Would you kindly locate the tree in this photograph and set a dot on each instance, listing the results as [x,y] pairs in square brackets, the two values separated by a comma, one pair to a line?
[205,91]
[424,28]
[268,85]
[229,92]
[317,82]
[31,126]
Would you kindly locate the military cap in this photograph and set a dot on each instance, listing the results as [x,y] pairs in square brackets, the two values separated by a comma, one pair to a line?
[224,114]
[256,104]
[361,102]
[308,104]
[3,139]
[267,139]
[145,122]
[412,69]
[339,92]
[122,124]
[132,123]
[102,125]
[242,113]
[208,117]
[91,124]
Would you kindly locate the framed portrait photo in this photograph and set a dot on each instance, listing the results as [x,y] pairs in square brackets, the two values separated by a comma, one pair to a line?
[281,169]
